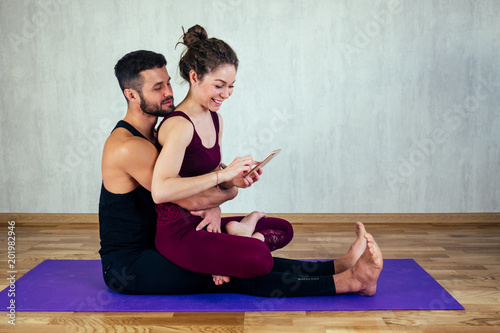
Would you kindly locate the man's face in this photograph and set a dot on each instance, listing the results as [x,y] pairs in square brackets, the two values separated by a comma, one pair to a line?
[156,95]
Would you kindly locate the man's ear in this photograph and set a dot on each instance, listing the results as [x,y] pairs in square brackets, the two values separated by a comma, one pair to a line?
[131,95]
[193,77]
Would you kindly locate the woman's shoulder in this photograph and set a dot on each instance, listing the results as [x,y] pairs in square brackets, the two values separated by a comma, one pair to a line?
[175,124]
[216,114]
[218,120]
[176,114]
[175,117]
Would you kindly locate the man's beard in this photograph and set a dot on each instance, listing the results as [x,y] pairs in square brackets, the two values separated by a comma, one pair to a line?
[156,110]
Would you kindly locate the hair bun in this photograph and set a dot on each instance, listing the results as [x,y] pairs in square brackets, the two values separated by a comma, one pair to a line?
[194,35]
[202,54]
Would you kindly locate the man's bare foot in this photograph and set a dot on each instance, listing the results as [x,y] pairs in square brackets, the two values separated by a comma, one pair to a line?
[220,279]
[355,251]
[363,276]
[246,226]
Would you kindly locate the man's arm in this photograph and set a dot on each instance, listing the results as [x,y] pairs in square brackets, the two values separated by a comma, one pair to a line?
[208,199]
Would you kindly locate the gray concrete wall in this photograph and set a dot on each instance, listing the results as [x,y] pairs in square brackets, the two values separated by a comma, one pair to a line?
[379,106]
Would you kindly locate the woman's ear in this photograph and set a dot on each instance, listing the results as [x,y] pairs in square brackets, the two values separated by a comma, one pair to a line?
[193,77]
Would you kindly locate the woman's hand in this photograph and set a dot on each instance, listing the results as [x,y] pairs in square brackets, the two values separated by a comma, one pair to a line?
[238,167]
[241,182]
[211,219]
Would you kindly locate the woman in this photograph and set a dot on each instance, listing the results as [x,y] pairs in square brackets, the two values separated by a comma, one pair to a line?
[189,163]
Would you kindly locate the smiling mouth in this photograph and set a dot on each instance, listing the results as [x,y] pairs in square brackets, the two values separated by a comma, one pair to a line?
[217,101]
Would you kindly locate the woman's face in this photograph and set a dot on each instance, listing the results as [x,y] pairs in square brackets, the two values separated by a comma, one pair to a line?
[216,87]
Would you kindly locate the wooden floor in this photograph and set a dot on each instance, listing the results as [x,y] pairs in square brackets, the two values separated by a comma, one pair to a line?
[462,254]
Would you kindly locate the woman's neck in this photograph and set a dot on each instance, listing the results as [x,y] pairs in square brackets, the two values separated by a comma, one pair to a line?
[191,106]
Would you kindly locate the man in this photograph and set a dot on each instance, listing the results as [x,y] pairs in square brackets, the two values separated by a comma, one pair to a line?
[127,215]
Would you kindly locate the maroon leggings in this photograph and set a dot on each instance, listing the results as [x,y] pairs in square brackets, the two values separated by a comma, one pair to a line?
[218,253]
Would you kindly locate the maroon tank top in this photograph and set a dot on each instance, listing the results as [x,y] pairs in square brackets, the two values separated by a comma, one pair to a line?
[198,159]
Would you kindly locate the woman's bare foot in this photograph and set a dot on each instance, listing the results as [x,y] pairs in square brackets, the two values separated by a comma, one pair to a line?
[246,226]
[363,276]
[355,251]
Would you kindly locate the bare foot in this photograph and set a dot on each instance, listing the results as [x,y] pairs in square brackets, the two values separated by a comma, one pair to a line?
[246,226]
[355,251]
[363,276]
[220,279]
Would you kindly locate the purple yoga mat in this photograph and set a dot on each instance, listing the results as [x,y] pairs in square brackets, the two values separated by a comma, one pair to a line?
[77,285]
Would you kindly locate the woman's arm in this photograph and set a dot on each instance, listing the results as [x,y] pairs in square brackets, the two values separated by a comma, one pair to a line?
[167,186]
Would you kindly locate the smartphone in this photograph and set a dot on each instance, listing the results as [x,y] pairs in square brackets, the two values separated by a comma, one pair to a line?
[264,162]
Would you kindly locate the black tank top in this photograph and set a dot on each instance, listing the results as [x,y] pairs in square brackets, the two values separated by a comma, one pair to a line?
[126,221]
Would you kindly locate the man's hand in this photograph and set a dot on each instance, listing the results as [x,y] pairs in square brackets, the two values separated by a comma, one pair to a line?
[211,219]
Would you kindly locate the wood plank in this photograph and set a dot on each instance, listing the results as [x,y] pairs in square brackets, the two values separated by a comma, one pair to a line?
[463,254]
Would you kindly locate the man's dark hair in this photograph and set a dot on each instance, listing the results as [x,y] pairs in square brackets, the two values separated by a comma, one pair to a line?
[128,68]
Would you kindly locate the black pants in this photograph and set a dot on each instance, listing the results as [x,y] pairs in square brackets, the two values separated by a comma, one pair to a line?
[148,272]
